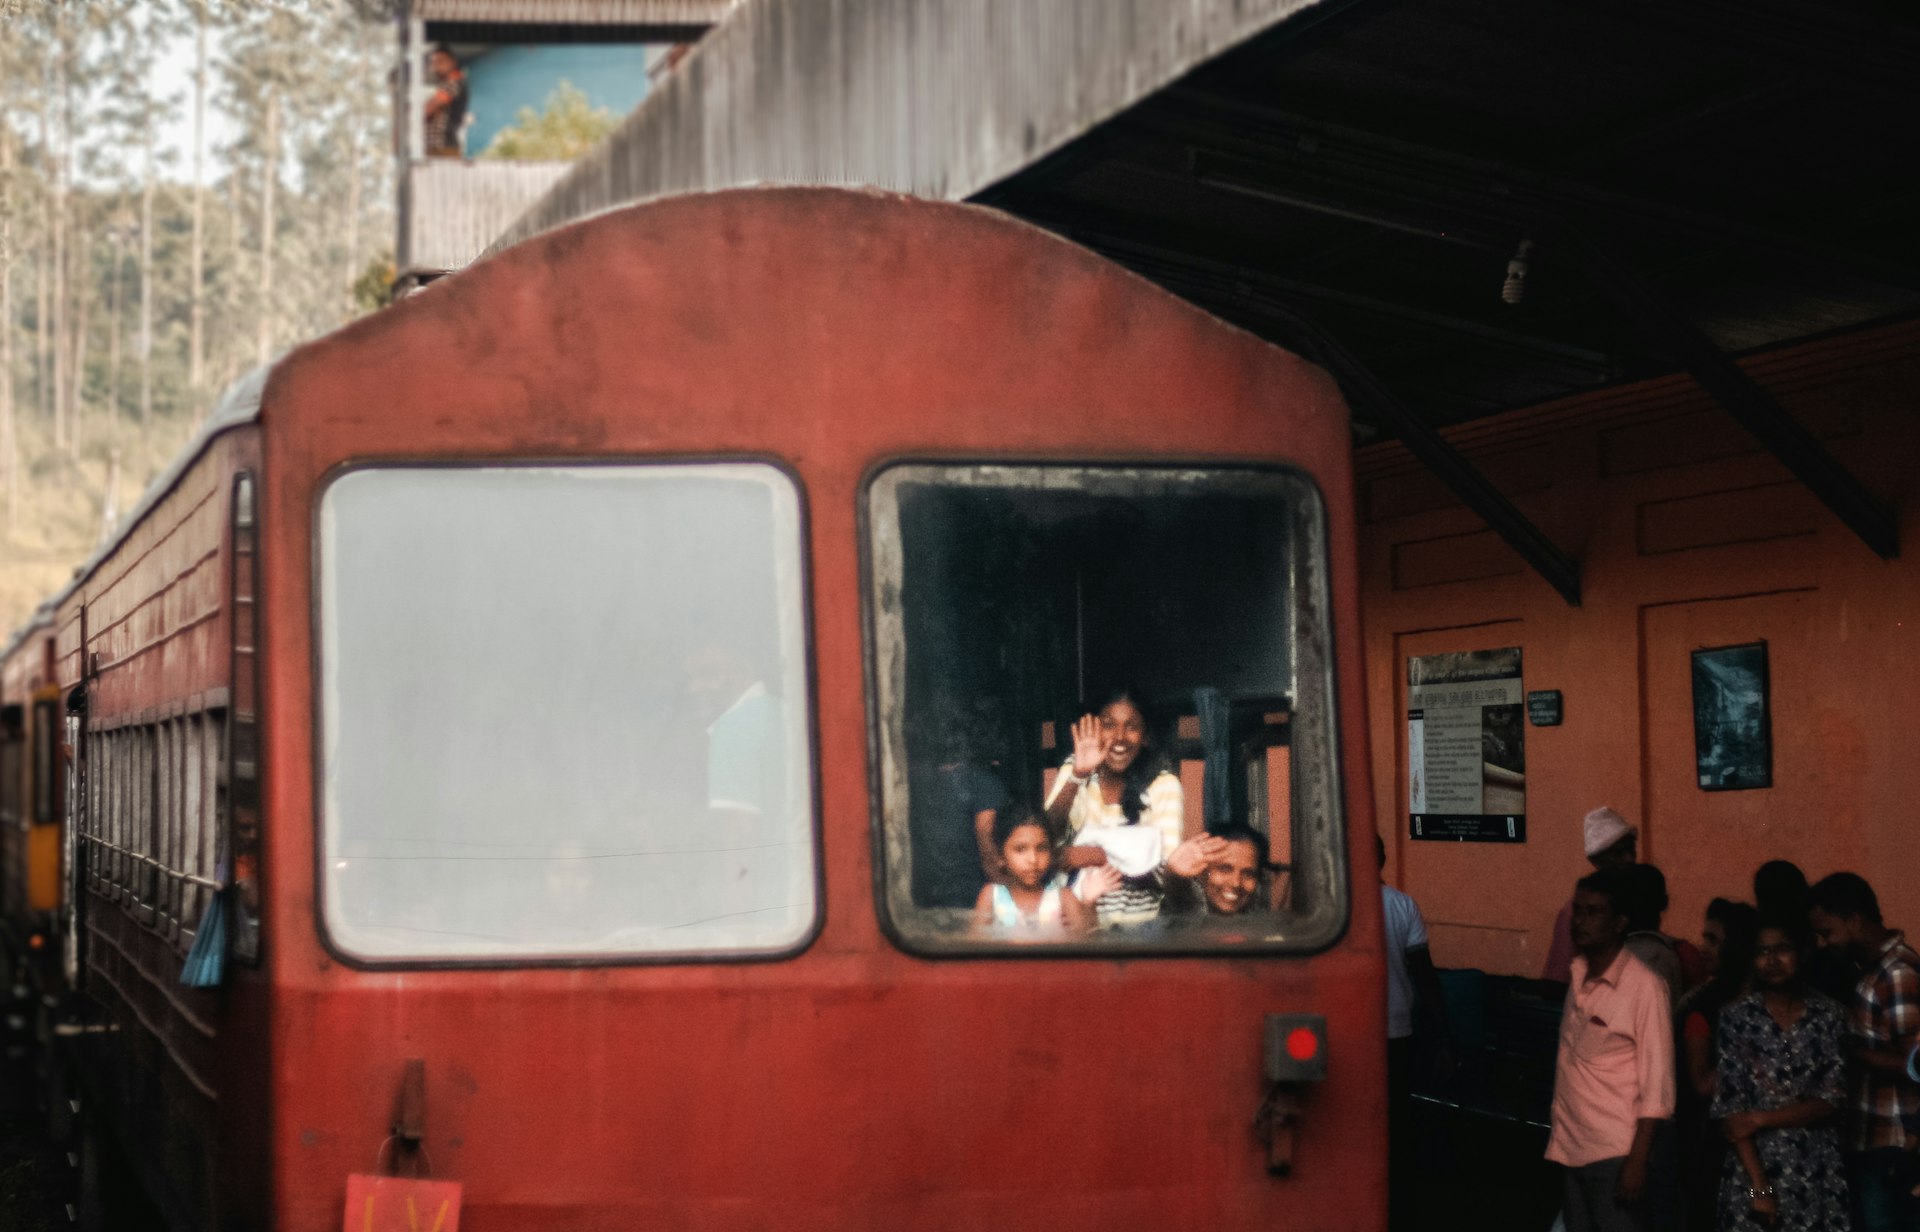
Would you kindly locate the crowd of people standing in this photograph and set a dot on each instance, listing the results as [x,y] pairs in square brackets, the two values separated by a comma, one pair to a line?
[1767,1078]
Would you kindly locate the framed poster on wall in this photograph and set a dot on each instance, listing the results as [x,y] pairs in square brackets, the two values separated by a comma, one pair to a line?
[1466,747]
[1732,723]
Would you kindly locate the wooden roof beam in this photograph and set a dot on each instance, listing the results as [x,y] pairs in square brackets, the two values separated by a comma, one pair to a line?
[1669,330]
[1799,450]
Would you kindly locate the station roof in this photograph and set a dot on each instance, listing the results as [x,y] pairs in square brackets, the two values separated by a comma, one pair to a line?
[1679,184]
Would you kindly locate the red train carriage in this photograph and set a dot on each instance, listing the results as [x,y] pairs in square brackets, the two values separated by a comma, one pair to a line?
[622,602]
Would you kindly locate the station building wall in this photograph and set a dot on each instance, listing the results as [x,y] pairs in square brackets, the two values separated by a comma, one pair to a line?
[1690,535]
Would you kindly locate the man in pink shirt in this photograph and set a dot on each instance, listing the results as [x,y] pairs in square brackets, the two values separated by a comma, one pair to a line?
[1614,1082]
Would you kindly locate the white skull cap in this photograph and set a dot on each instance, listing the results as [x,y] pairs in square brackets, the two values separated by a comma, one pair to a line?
[1605,828]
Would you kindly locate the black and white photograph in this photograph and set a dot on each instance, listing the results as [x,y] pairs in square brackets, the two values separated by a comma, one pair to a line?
[1732,731]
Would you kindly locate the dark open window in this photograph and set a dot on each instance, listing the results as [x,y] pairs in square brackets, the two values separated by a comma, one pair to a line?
[1005,601]
[46,763]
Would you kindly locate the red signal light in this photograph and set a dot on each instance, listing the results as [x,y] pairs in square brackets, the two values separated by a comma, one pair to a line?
[36,942]
[1296,1047]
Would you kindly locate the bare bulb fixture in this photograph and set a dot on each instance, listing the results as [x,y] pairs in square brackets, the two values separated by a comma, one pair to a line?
[1514,289]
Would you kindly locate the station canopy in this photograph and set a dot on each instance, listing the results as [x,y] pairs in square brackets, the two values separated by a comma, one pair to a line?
[1460,207]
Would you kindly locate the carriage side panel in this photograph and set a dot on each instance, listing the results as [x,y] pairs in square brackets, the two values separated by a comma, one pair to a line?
[148,634]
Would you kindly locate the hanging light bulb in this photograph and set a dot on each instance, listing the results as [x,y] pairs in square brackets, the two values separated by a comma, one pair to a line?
[1514,289]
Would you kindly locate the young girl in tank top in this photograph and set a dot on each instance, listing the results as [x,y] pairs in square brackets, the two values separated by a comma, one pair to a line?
[1032,898]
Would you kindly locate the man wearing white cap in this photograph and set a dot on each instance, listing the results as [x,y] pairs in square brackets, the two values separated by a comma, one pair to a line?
[1610,843]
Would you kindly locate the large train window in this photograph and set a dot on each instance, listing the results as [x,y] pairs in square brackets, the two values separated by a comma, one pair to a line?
[1104,709]
[564,714]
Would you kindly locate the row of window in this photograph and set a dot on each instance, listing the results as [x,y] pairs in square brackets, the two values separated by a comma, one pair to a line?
[151,826]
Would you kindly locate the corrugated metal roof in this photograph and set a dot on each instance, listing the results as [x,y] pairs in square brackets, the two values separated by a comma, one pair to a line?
[575,12]
[454,209]
[940,98]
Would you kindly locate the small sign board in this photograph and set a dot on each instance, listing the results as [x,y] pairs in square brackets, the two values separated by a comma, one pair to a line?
[1543,707]
[401,1204]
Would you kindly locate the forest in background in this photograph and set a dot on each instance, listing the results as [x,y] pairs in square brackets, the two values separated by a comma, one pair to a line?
[137,283]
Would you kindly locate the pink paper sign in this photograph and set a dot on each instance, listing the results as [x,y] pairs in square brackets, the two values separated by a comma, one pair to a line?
[401,1204]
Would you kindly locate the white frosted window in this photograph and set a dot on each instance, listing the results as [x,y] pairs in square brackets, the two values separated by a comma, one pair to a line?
[564,713]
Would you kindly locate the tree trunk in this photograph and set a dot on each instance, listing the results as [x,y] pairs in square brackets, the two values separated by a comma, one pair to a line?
[110,497]
[62,201]
[146,296]
[115,293]
[353,215]
[196,366]
[230,356]
[57,297]
[269,175]
[9,449]
[77,389]
[42,286]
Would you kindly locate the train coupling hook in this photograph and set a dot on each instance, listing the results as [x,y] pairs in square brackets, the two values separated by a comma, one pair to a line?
[1296,1056]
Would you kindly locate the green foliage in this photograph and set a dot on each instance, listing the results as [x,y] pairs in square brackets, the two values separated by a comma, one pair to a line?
[568,127]
[373,289]
[97,248]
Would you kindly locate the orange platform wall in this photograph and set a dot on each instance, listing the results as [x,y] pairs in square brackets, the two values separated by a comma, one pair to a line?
[1690,535]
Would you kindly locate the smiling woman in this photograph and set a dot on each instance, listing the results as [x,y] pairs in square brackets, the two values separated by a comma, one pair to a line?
[1124,811]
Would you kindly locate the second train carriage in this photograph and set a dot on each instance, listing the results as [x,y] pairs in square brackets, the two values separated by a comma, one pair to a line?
[548,672]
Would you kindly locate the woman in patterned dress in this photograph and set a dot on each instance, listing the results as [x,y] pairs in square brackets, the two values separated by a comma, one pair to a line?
[1780,1084]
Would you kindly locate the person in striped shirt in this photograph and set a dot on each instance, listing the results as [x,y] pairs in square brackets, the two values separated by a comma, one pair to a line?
[1884,1024]
[1119,805]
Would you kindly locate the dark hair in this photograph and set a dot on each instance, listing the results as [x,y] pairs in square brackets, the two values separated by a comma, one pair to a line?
[1380,850]
[1610,882]
[441,49]
[1240,832]
[1007,820]
[1845,894]
[1643,896]
[1147,763]
[1794,926]
[1780,887]
[1742,925]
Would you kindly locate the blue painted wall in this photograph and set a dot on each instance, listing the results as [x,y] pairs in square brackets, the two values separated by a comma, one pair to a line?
[502,80]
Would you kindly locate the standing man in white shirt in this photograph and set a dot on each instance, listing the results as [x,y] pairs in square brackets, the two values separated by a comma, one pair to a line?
[1409,969]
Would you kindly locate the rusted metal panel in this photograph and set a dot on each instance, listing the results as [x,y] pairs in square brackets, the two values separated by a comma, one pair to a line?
[939,98]
[455,208]
[153,608]
[576,12]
